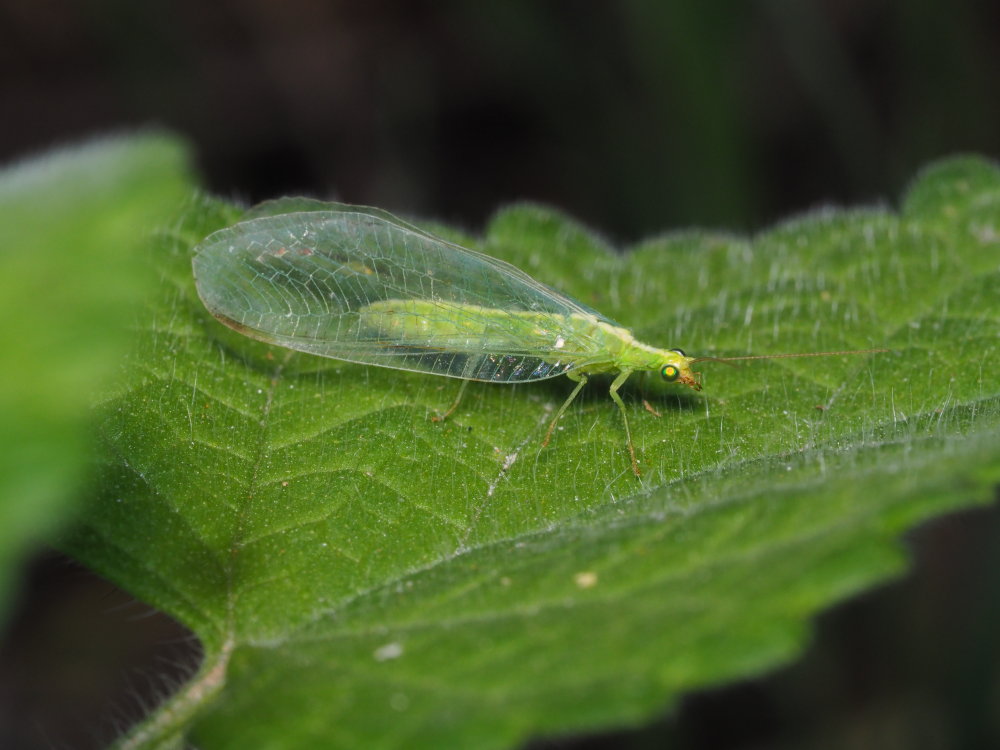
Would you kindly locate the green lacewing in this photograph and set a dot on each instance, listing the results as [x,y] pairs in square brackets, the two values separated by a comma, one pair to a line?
[358,284]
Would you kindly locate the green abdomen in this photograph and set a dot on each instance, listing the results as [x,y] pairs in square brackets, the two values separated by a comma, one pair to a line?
[469,328]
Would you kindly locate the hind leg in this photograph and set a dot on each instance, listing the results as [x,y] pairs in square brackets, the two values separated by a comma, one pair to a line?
[454,404]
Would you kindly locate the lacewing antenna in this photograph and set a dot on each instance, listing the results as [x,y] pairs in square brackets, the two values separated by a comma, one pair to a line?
[729,360]
[713,359]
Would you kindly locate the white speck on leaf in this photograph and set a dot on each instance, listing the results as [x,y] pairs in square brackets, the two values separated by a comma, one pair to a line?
[388,652]
[585,579]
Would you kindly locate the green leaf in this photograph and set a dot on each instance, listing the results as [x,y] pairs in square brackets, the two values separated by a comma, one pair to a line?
[71,223]
[361,576]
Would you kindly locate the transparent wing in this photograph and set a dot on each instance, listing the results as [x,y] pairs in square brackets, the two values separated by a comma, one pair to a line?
[360,285]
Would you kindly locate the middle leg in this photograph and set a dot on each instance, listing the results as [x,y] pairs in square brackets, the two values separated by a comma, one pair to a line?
[581,380]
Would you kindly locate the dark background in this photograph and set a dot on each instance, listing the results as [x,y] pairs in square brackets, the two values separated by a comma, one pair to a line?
[636,117]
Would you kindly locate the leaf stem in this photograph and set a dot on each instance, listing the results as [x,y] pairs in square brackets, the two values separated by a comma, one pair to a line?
[166,726]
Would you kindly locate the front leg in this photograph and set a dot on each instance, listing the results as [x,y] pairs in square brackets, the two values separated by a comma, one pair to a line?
[615,385]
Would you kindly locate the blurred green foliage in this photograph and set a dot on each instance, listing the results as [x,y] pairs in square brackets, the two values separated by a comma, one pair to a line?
[72,275]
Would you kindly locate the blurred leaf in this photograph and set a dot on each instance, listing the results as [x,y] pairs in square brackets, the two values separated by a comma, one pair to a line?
[71,222]
[361,576]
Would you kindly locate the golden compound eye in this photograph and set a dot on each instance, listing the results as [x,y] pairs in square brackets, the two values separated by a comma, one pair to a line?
[670,373]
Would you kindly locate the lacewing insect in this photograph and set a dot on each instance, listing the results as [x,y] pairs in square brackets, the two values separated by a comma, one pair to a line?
[360,285]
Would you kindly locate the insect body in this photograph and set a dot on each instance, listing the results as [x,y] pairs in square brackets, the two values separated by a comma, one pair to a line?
[360,285]
[581,344]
